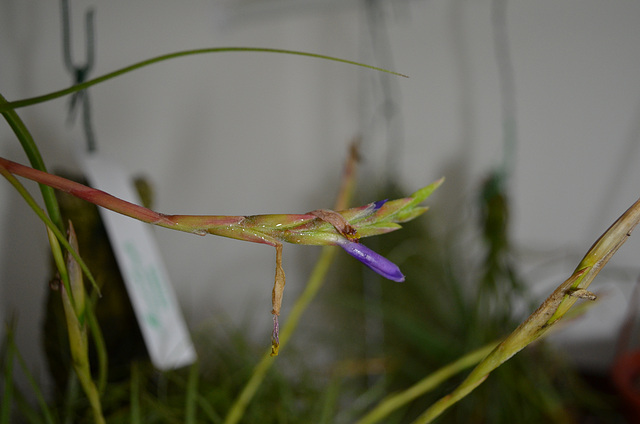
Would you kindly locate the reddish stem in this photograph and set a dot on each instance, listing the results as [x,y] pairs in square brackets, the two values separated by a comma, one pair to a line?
[187,223]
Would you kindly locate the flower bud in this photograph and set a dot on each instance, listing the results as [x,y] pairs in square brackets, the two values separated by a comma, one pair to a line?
[373,260]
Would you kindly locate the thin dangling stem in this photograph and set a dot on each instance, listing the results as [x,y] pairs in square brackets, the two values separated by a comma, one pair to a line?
[276,300]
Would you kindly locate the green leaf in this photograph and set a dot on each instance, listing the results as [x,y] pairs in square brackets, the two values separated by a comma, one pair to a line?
[33,154]
[50,225]
[83,86]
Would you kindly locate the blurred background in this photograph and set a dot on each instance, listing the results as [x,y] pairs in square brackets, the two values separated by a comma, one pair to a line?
[546,91]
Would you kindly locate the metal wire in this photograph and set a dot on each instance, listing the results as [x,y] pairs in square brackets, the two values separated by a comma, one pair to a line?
[80,73]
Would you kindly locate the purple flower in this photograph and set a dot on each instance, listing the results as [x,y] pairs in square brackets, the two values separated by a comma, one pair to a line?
[376,262]
[377,205]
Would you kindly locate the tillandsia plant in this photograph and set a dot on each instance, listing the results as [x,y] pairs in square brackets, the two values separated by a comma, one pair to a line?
[319,227]
[311,231]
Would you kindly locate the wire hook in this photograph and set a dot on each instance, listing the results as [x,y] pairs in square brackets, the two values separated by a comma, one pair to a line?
[80,73]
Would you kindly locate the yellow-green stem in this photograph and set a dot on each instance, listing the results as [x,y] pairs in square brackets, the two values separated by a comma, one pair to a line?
[313,285]
[548,313]
[428,383]
[315,282]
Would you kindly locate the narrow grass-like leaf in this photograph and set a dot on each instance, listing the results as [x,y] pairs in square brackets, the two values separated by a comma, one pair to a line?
[204,404]
[49,223]
[39,396]
[35,158]
[192,394]
[433,380]
[83,86]
[330,400]
[100,347]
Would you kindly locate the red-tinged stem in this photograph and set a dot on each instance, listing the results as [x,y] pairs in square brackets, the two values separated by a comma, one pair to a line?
[270,229]
[219,225]
[89,194]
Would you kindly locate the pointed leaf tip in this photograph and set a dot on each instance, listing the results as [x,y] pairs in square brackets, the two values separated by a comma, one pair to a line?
[421,194]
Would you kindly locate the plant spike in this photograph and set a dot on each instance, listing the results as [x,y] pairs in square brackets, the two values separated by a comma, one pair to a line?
[319,227]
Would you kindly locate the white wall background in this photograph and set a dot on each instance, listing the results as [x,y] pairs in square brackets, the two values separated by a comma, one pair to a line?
[244,133]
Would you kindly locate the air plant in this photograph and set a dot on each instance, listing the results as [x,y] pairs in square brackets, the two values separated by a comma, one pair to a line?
[319,227]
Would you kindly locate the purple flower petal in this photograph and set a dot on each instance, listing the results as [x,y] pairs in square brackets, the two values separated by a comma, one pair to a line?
[377,205]
[376,262]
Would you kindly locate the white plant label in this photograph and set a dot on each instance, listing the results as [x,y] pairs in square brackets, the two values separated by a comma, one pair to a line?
[152,295]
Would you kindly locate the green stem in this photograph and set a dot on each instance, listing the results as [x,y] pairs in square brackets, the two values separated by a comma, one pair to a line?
[47,221]
[92,394]
[270,229]
[315,282]
[428,383]
[99,344]
[192,395]
[185,223]
[58,259]
[33,154]
[83,86]
[548,313]
[54,224]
